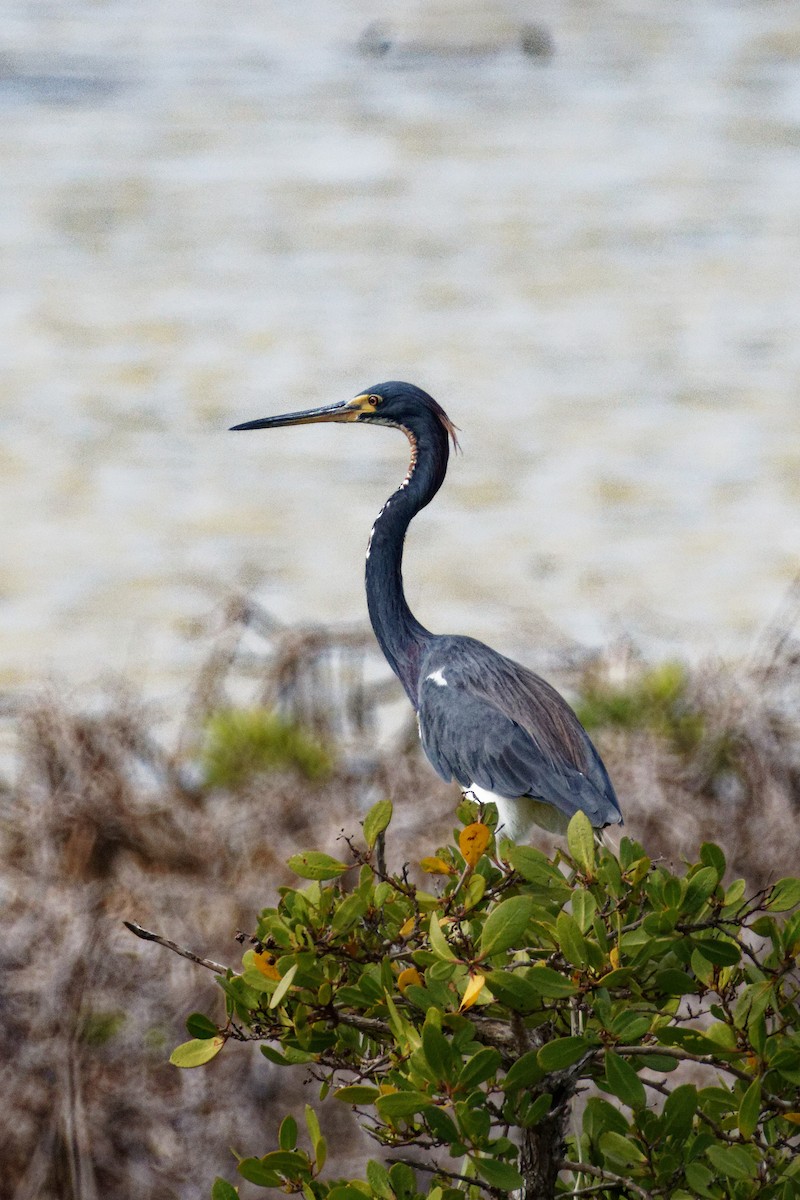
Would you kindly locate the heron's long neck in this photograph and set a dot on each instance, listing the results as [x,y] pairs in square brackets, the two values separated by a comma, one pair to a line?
[399,633]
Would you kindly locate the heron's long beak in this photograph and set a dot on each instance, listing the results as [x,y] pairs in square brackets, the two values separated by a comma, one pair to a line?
[346,410]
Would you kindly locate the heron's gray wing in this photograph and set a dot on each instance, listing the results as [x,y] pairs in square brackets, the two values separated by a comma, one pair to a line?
[469,740]
[486,720]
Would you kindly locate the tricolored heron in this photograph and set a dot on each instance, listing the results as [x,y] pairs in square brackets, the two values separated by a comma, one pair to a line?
[499,730]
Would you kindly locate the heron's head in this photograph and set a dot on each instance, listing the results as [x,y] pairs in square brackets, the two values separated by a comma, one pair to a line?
[400,405]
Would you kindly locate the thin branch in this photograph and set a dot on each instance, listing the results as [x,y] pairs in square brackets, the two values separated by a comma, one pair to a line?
[432,1169]
[147,936]
[678,1052]
[372,1026]
[708,1060]
[591,1189]
[607,1177]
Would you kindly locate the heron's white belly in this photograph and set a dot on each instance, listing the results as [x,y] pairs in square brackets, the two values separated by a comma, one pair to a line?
[518,814]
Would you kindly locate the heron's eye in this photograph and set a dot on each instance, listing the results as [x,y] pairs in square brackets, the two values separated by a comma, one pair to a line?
[375,400]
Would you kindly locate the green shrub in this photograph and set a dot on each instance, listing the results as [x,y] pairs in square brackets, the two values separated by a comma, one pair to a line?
[657,701]
[241,743]
[460,1024]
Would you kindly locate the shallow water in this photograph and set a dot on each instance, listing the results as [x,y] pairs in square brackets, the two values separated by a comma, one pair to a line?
[210,212]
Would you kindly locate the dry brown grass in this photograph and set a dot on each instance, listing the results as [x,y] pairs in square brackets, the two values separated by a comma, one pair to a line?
[104,824]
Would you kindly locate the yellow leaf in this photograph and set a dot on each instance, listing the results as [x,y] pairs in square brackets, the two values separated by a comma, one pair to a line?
[407,928]
[474,989]
[265,964]
[409,975]
[614,957]
[793,1117]
[437,866]
[386,1089]
[472,841]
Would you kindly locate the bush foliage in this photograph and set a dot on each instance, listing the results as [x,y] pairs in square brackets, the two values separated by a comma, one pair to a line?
[591,1024]
[241,743]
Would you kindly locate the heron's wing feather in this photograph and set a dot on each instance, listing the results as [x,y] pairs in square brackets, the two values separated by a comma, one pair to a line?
[490,722]
[468,740]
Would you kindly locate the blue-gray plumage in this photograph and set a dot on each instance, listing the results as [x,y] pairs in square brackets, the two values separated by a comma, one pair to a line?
[499,730]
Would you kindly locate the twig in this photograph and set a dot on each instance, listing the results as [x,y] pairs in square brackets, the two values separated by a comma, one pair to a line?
[372,1026]
[432,1169]
[147,936]
[707,1060]
[606,1176]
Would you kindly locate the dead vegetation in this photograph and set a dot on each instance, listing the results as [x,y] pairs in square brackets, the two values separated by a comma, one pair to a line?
[110,818]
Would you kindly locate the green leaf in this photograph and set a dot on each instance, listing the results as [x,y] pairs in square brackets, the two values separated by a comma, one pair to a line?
[712,856]
[735,892]
[629,1025]
[312,1125]
[690,1039]
[533,866]
[580,839]
[752,1002]
[438,1052]
[197,1052]
[661,922]
[750,1109]
[283,987]
[348,913]
[675,983]
[584,906]
[498,1174]
[357,1093]
[732,1161]
[699,888]
[505,925]
[524,1072]
[563,1052]
[571,940]
[222,1190]
[679,1109]
[320,1153]
[600,1116]
[672,892]
[476,886]
[292,1164]
[376,820]
[784,895]
[402,1104]
[313,864]
[619,977]
[378,1180]
[530,1111]
[788,1063]
[719,951]
[620,1149]
[200,1026]
[402,1180]
[292,1057]
[623,1081]
[550,983]
[482,1066]
[442,1127]
[514,991]
[700,1179]
[255,1172]
[287,1134]
[438,942]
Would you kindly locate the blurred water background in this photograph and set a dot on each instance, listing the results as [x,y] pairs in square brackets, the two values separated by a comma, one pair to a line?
[576,223]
